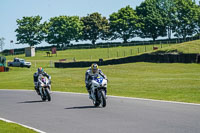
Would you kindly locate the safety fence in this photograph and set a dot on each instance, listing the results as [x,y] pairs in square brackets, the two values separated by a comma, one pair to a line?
[103,45]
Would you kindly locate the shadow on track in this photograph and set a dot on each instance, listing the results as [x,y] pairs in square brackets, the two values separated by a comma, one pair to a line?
[82,107]
[38,101]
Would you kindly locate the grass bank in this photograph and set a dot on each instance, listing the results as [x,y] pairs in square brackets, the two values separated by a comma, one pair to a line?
[41,58]
[187,47]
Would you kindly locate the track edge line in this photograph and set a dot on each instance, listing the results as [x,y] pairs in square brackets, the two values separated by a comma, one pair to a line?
[9,121]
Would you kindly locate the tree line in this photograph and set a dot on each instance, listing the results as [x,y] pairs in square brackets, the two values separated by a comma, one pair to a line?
[151,19]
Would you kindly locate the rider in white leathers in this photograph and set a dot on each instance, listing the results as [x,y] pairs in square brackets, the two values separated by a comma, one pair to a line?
[93,70]
[37,82]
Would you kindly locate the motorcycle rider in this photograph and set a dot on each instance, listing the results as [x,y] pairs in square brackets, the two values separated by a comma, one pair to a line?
[41,71]
[93,70]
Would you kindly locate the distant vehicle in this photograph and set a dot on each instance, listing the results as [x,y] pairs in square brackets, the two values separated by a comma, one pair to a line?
[19,63]
[3,67]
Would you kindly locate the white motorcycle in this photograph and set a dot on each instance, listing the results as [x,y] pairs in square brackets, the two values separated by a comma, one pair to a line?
[45,88]
[98,90]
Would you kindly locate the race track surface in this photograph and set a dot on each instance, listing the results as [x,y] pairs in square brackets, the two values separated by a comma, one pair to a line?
[75,113]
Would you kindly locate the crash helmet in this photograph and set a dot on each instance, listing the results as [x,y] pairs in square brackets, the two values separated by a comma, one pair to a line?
[94,67]
[40,70]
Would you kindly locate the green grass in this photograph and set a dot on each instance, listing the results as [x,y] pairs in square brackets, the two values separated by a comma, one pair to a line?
[174,82]
[6,127]
[187,47]
[41,58]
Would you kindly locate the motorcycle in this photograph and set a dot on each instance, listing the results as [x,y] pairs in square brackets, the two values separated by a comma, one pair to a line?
[45,88]
[98,90]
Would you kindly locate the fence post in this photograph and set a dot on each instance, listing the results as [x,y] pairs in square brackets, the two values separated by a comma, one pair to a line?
[74,59]
[51,63]
[138,50]
[108,53]
[124,53]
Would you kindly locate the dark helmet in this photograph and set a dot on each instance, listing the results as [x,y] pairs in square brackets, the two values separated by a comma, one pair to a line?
[40,70]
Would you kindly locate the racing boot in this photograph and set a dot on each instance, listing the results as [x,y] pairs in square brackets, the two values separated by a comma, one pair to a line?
[89,91]
[37,90]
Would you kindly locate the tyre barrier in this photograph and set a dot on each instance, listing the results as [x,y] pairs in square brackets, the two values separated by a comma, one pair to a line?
[154,58]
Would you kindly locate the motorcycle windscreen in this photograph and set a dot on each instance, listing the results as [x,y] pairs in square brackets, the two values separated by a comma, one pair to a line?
[99,79]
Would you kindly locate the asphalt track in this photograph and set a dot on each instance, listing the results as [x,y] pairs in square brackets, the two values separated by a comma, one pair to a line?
[74,113]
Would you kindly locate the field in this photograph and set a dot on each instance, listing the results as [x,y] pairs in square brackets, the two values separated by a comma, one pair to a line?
[174,82]
[41,58]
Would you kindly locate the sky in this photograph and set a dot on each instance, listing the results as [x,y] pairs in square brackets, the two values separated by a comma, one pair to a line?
[11,10]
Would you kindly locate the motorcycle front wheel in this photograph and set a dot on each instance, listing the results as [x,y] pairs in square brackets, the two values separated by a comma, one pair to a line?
[48,94]
[96,102]
[42,95]
[103,98]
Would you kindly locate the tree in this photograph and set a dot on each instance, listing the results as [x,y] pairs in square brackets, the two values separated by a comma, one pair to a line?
[95,27]
[29,30]
[2,43]
[186,18]
[152,18]
[198,20]
[63,29]
[168,7]
[124,24]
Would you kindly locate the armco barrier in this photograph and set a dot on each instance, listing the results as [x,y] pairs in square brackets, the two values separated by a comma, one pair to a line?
[156,58]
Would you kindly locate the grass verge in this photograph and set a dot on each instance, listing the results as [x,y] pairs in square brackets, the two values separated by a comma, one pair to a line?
[173,82]
[6,127]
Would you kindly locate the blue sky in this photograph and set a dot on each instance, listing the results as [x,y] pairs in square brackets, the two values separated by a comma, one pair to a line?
[11,10]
